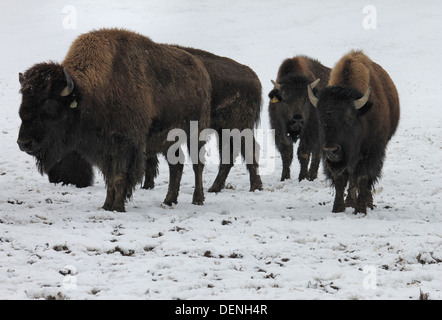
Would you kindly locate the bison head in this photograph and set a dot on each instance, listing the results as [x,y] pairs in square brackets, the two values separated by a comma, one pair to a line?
[292,98]
[341,112]
[47,110]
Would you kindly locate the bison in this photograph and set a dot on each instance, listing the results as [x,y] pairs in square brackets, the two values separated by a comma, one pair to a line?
[115,91]
[359,113]
[235,104]
[293,117]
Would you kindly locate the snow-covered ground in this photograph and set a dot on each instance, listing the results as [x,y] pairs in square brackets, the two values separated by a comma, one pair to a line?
[280,243]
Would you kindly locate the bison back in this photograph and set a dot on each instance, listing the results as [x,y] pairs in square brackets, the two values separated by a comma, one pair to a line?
[126,81]
[358,71]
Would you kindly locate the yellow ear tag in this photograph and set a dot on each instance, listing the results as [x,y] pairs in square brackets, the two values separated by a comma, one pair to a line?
[274,100]
[74,104]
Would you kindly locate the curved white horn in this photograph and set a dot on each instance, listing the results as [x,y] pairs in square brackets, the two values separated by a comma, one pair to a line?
[70,85]
[311,95]
[277,85]
[314,83]
[362,101]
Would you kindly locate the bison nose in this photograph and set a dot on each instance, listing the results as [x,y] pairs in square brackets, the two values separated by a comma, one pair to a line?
[24,145]
[332,153]
[298,121]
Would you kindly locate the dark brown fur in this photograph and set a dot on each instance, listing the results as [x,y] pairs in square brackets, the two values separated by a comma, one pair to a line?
[129,90]
[356,139]
[293,117]
[73,169]
[235,104]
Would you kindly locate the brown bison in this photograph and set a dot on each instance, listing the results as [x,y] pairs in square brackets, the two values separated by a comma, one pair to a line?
[293,117]
[114,91]
[235,104]
[359,113]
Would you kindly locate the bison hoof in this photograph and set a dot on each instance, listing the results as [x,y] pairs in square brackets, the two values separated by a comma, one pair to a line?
[349,202]
[198,200]
[114,208]
[170,202]
[338,208]
[303,176]
[148,185]
[256,184]
[215,188]
[360,210]
[255,188]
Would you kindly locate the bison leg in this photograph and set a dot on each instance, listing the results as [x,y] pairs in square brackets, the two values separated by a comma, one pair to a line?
[287,158]
[198,194]
[151,171]
[198,168]
[303,158]
[220,179]
[110,197]
[314,165]
[122,172]
[121,193]
[255,178]
[340,182]
[365,197]
[370,200]
[227,156]
[175,174]
[303,161]
[252,153]
[352,196]
[117,192]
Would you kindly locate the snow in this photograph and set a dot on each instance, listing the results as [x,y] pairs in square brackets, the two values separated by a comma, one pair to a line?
[280,243]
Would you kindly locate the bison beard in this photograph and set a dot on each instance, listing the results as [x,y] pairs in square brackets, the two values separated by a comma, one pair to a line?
[359,113]
[73,169]
[115,91]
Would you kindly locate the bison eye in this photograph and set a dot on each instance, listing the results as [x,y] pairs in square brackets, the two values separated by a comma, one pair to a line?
[51,108]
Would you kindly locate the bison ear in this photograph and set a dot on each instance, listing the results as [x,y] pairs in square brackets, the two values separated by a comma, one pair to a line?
[21,78]
[274,96]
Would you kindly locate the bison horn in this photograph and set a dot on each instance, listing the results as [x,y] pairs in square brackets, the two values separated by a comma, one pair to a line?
[311,95]
[277,85]
[315,83]
[70,85]
[362,101]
